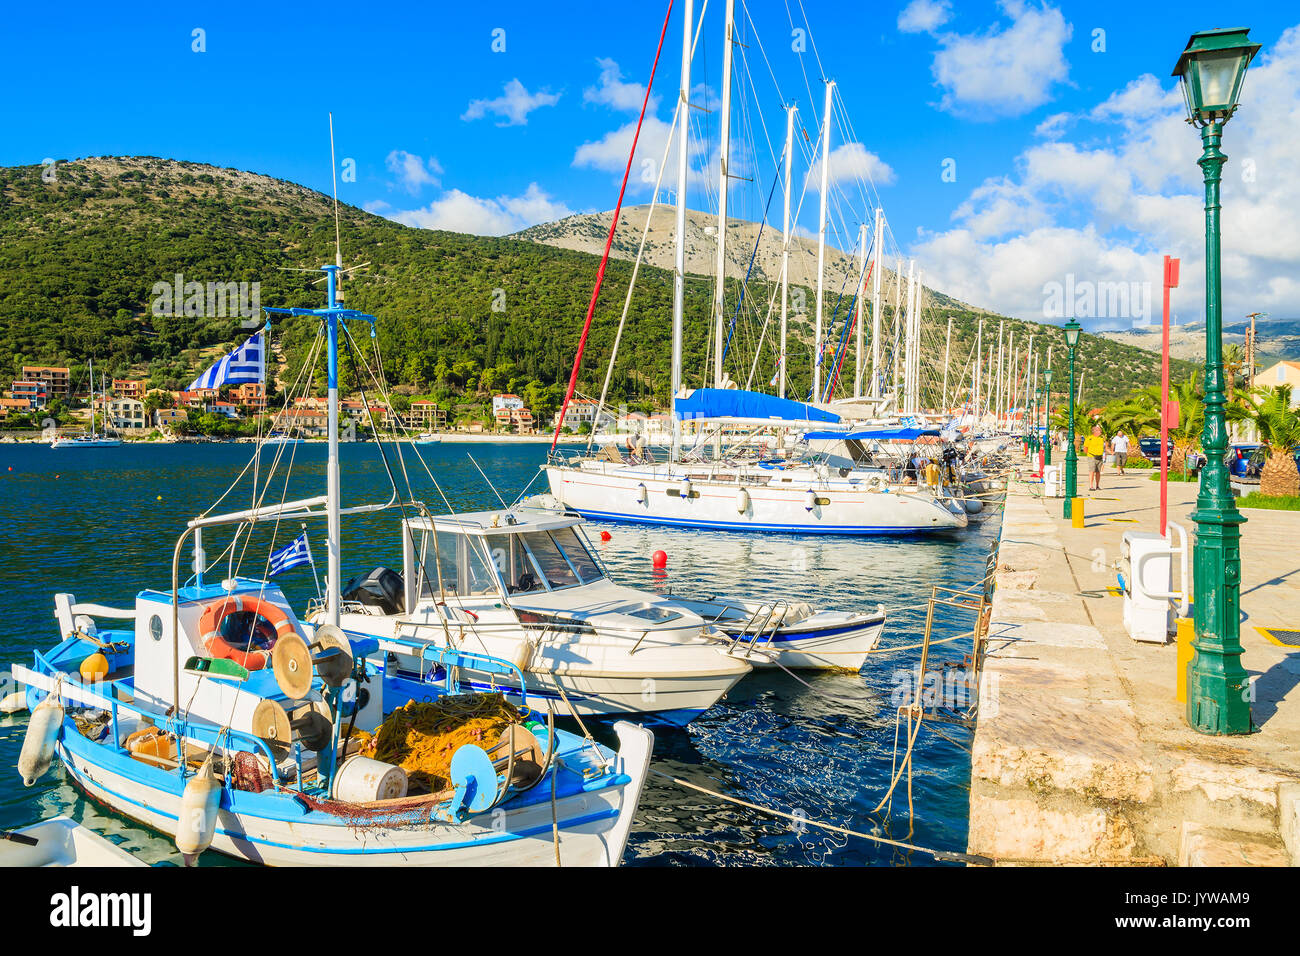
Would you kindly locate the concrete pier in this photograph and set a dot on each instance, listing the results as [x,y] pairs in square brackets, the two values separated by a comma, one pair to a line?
[1081,753]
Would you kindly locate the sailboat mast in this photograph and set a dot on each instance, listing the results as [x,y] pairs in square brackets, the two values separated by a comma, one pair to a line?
[861,293]
[978,371]
[785,243]
[909,395]
[724,150]
[997,390]
[877,244]
[333,582]
[679,260]
[947,348]
[821,240]
[898,305]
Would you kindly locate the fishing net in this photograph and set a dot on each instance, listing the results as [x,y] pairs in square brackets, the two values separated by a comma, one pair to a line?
[422,736]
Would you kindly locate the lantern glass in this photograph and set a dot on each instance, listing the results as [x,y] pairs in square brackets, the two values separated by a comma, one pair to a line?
[1072,330]
[1211,71]
[1047,377]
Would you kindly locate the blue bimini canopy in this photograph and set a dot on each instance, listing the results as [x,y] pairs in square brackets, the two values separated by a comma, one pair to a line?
[749,408]
[878,434]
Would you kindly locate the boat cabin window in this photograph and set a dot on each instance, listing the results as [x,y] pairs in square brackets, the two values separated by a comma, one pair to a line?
[515,566]
[579,557]
[550,559]
[461,564]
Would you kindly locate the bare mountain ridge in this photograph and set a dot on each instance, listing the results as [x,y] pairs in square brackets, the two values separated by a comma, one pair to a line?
[587,232]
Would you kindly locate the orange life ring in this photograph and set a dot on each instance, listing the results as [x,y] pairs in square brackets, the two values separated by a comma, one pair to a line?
[216,612]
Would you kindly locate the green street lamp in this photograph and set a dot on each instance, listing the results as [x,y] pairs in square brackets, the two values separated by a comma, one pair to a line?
[1072,330]
[1211,70]
[1047,379]
[1038,414]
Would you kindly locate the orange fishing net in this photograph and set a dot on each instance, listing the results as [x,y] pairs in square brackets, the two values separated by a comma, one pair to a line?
[422,736]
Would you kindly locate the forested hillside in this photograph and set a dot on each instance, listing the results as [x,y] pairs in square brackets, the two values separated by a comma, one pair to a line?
[461,316]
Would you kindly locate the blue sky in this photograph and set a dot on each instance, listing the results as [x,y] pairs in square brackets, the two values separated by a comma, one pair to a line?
[1027,101]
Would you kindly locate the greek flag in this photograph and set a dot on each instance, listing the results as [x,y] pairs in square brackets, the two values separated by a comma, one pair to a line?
[909,421]
[296,552]
[245,364]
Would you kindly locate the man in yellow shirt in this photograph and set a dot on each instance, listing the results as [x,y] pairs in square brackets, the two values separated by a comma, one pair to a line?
[1094,446]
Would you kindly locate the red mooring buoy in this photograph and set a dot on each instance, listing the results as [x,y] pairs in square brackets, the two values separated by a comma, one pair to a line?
[659,559]
[605,536]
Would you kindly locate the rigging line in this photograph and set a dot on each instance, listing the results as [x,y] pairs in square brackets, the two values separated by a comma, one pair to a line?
[748,271]
[848,330]
[636,267]
[609,240]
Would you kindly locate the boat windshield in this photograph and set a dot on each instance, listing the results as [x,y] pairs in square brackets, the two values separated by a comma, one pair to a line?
[579,557]
[554,567]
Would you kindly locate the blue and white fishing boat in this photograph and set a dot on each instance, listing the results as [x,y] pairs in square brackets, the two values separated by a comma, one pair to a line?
[209,711]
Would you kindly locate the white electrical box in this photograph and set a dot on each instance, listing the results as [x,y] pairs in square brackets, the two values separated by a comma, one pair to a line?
[1053,481]
[1147,577]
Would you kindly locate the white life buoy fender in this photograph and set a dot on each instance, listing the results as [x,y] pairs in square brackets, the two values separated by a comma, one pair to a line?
[217,611]
[809,500]
[742,500]
[641,493]
[686,489]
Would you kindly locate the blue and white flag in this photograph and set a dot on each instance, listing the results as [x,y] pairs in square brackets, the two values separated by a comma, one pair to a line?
[909,421]
[296,552]
[244,365]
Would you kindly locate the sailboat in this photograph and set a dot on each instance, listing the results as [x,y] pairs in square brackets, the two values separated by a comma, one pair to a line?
[211,712]
[731,479]
[93,439]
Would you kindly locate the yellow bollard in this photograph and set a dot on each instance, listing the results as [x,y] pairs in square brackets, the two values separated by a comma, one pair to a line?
[1186,631]
[1076,512]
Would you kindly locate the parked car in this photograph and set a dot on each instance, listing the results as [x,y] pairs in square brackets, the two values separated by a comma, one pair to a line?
[1246,459]
[1150,448]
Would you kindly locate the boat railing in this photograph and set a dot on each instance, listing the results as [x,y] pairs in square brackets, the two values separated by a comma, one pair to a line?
[452,658]
[178,725]
[771,621]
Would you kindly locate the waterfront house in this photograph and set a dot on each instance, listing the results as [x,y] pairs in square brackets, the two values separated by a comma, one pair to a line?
[57,380]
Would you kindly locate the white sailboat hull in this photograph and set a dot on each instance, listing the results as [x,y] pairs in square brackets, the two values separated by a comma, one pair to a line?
[836,506]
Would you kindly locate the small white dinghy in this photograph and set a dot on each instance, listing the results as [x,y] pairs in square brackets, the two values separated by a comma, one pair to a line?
[61,842]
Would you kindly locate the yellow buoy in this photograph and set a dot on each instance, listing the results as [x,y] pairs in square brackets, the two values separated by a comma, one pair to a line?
[94,668]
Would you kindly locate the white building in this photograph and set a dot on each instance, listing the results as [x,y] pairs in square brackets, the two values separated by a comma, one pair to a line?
[125,414]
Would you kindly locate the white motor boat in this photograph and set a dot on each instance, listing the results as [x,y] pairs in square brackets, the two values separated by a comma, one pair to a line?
[426,438]
[792,634]
[61,841]
[522,586]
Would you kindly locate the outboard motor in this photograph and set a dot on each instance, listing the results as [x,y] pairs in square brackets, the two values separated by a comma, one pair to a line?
[382,588]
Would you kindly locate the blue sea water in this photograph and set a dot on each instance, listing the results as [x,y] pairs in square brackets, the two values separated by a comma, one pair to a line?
[102,523]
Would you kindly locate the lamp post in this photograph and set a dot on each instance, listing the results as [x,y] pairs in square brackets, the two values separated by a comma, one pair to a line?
[1072,330]
[1211,70]
[1047,380]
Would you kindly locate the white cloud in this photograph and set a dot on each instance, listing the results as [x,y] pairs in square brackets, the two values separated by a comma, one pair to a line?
[1006,70]
[513,105]
[413,172]
[457,211]
[924,16]
[1104,206]
[851,161]
[611,90]
[1054,126]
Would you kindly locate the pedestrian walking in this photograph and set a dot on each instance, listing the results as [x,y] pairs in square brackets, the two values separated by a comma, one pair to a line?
[1119,444]
[1094,446]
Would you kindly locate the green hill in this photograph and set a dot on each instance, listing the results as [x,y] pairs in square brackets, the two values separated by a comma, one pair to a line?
[461,316]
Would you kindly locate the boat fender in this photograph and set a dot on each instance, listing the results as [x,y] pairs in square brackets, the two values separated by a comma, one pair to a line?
[742,500]
[216,612]
[809,500]
[523,658]
[641,493]
[13,703]
[686,489]
[38,743]
[197,823]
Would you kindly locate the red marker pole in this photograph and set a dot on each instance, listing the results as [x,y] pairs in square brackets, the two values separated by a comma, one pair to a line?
[1170,282]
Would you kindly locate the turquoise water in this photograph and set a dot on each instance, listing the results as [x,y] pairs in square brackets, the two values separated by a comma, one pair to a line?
[90,521]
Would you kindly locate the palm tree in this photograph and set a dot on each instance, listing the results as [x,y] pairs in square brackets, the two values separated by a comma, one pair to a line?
[1279,429]
[1191,421]
[1234,365]
[1134,416]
